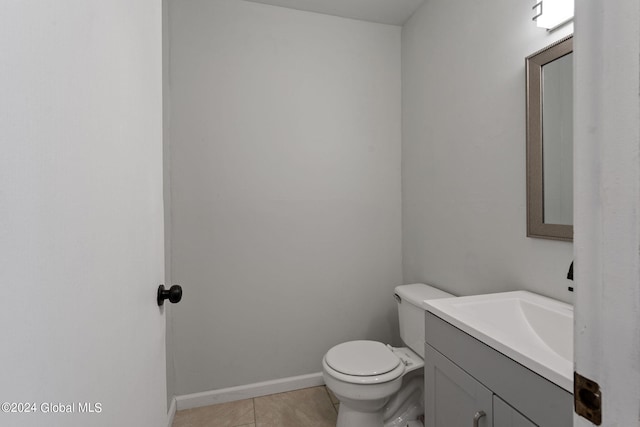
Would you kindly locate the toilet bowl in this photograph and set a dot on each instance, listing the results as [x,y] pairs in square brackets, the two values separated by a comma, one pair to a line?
[379,385]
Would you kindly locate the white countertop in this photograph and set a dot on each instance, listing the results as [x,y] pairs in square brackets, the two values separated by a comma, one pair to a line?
[531,329]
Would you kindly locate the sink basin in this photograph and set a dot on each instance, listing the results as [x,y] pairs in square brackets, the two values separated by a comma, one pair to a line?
[533,330]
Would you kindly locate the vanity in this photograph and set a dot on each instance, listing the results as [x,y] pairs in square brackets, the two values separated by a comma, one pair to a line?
[502,360]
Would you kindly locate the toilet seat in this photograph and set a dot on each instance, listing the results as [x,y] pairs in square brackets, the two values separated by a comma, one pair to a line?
[362,358]
[363,362]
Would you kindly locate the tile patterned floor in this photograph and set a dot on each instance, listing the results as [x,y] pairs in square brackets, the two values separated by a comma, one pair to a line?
[309,407]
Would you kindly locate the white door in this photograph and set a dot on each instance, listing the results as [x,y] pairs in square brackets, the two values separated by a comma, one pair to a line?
[81,216]
[607,205]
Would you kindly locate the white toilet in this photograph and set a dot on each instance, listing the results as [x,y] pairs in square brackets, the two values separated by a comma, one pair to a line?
[379,385]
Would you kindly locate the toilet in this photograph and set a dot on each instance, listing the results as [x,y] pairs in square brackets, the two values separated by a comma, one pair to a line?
[379,385]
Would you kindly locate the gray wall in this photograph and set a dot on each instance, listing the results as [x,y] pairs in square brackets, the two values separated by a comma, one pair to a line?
[285,132]
[463,151]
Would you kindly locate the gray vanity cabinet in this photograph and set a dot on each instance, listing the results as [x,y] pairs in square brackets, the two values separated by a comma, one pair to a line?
[505,416]
[467,379]
[453,397]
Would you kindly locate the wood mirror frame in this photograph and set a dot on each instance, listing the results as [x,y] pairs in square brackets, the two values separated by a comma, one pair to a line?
[536,227]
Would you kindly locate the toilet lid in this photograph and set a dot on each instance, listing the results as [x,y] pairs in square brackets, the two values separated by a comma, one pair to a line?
[362,358]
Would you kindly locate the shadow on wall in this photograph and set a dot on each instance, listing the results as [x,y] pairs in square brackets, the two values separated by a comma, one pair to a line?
[387,321]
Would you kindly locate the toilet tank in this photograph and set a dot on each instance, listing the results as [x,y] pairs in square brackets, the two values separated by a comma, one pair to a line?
[411,312]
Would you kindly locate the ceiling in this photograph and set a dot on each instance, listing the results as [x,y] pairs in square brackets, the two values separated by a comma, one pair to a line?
[394,12]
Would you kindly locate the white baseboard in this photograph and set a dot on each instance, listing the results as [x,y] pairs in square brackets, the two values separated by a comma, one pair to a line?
[248,391]
[172,412]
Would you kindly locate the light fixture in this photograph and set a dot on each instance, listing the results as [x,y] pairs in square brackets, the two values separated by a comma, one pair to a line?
[551,14]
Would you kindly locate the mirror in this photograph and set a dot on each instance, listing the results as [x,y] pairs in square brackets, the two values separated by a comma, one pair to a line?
[550,142]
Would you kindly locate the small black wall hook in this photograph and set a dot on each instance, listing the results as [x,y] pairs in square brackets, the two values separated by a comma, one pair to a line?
[173,294]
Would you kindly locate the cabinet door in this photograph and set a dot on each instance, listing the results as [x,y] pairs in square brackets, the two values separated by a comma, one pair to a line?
[453,397]
[505,416]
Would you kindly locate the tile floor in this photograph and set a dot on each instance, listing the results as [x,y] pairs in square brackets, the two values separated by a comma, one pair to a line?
[309,407]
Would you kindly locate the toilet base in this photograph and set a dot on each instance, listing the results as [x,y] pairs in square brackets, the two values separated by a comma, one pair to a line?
[407,405]
[348,417]
[402,409]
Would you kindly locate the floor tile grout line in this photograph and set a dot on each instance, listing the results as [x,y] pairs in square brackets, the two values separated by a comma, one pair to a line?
[255,416]
[326,389]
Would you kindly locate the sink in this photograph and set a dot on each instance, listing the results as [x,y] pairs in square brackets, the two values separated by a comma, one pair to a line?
[531,329]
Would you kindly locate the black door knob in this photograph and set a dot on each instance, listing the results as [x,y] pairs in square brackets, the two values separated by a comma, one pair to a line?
[173,294]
